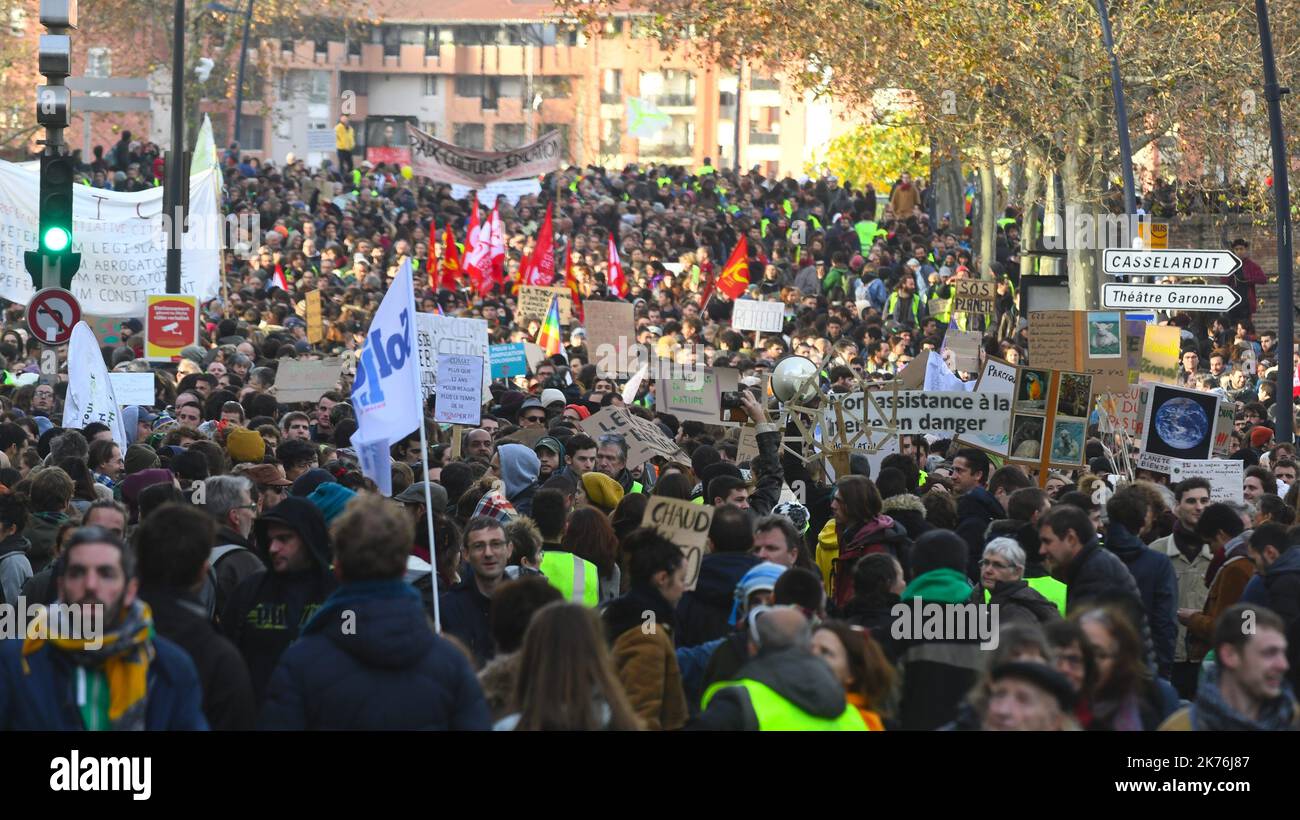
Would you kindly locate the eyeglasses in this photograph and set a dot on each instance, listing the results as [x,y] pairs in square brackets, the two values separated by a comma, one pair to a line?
[986,562]
[537,419]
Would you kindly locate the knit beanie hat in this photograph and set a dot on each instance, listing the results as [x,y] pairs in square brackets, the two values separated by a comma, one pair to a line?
[603,492]
[245,446]
[140,457]
[331,499]
[761,577]
[1260,436]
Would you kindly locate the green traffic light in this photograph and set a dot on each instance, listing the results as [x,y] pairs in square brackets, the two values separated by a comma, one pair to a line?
[56,239]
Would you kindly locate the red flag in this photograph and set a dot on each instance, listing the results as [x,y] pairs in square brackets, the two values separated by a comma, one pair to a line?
[540,267]
[614,278]
[431,264]
[734,278]
[572,281]
[450,262]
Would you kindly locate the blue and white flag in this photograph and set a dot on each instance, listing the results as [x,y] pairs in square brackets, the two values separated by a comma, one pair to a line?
[386,392]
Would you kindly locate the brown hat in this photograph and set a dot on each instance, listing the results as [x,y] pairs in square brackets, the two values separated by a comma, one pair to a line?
[266,474]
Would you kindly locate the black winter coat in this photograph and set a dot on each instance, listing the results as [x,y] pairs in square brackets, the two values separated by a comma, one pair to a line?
[1097,575]
[464,612]
[975,511]
[1282,580]
[1018,603]
[702,614]
[1157,584]
[227,690]
[387,672]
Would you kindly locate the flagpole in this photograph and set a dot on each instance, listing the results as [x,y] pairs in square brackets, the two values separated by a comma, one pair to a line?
[428,521]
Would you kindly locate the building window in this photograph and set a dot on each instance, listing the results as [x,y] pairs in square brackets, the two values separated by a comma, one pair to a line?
[469,85]
[512,88]
[488,89]
[551,88]
[391,37]
[356,82]
[469,135]
[99,62]
[431,85]
[564,139]
[251,134]
[430,128]
[318,88]
[286,46]
[508,135]
[354,47]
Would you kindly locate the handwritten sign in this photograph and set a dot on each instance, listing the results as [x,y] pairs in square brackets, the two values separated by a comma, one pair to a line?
[974,296]
[1092,343]
[611,332]
[644,438]
[1160,354]
[1224,475]
[306,380]
[1051,340]
[448,335]
[133,388]
[751,314]
[694,398]
[686,525]
[460,389]
[535,300]
[747,444]
[315,324]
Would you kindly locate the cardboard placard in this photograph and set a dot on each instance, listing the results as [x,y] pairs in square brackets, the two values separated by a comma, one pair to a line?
[1177,423]
[534,356]
[996,377]
[751,314]
[1160,354]
[747,444]
[460,389]
[315,324]
[611,333]
[1225,475]
[644,439]
[508,360]
[1119,412]
[133,388]
[961,348]
[535,301]
[1135,336]
[974,296]
[695,398]
[1086,342]
[686,525]
[300,380]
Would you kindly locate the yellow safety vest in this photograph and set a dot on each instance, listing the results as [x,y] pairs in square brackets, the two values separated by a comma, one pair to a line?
[776,713]
[576,578]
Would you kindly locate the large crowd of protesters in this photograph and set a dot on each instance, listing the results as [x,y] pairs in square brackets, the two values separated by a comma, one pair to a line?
[252,577]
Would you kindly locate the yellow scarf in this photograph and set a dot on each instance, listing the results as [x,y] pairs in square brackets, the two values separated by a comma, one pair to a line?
[125,652]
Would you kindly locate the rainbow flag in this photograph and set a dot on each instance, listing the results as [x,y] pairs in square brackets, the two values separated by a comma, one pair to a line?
[548,338]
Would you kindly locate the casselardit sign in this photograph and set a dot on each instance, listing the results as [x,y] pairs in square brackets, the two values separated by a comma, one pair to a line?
[444,162]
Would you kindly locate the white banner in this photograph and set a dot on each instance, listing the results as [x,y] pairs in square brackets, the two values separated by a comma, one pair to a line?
[911,412]
[446,335]
[443,162]
[751,314]
[90,390]
[121,240]
[513,191]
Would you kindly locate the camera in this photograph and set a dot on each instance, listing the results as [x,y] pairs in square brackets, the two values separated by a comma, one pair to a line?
[730,400]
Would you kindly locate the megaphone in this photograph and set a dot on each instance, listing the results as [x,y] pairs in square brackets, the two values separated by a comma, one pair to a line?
[794,377]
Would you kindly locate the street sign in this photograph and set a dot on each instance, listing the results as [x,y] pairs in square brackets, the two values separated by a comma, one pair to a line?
[1177,262]
[52,314]
[1142,296]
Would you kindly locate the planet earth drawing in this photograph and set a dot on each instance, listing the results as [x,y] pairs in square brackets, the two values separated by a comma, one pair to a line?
[1182,423]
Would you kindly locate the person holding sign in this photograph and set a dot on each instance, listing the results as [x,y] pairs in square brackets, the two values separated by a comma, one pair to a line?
[641,625]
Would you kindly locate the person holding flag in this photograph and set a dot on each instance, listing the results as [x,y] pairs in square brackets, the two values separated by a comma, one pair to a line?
[734,278]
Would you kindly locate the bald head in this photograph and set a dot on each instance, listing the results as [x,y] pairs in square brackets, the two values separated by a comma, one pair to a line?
[783,628]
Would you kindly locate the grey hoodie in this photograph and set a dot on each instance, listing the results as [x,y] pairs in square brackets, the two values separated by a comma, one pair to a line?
[519,468]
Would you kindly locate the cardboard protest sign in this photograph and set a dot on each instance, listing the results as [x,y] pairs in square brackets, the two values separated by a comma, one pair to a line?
[1160,354]
[1223,428]
[695,398]
[644,438]
[534,356]
[535,301]
[445,335]
[508,360]
[460,389]
[686,525]
[996,377]
[1135,337]
[315,324]
[1178,423]
[299,380]
[1086,342]
[1224,475]
[133,388]
[1119,412]
[961,348]
[747,444]
[611,332]
[974,296]
[751,314]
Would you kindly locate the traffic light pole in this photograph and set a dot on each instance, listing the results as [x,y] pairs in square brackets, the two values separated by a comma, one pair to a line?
[177,184]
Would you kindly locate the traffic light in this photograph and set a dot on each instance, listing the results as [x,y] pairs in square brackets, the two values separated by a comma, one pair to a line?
[54,237]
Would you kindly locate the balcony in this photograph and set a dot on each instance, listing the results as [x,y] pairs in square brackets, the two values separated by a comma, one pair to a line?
[611,98]
[759,138]
[764,84]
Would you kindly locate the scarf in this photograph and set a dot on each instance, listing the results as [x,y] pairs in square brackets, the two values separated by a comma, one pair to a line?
[1211,712]
[122,661]
[1188,543]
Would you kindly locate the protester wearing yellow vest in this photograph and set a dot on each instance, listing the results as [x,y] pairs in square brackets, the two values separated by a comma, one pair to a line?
[784,687]
[345,142]
[576,578]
